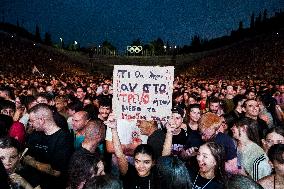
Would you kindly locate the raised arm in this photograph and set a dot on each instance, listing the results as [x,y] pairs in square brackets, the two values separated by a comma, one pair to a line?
[121,158]
[167,148]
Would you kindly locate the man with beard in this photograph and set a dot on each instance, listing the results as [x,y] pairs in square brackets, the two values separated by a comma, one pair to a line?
[104,109]
[105,95]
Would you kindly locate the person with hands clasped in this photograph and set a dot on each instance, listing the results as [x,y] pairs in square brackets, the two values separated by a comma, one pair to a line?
[141,175]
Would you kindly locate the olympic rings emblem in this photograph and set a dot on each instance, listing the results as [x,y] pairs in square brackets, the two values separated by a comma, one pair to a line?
[134,49]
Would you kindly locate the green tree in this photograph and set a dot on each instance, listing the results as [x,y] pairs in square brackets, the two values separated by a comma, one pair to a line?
[158,46]
[196,43]
[264,18]
[37,35]
[241,26]
[252,24]
[47,39]
[107,44]
[258,20]
[108,48]
[137,42]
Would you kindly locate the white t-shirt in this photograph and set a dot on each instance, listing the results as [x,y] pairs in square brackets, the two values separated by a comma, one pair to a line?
[70,123]
[25,119]
[127,132]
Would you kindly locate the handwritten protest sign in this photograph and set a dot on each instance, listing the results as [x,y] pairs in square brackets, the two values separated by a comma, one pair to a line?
[142,92]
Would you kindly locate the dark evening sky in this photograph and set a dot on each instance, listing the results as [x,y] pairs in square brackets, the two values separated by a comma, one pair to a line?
[122,21]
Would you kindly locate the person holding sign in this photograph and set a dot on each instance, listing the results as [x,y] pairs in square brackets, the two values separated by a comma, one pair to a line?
[141,175]
[129,136]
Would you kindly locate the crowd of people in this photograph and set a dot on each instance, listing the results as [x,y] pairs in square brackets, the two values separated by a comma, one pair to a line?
[259,58]
[19,55]
[59,131]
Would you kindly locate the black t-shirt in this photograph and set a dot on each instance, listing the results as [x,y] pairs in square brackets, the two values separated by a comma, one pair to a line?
[179,142]
[56,150]
[228,145]
[199,182]
[60,120]
[131,180]
[156,140]
[194,139]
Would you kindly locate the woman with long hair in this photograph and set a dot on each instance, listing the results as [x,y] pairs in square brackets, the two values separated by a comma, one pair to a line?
[268,110]
[194,114]
[141,175]
[211,162]
[252,160]
[83,167]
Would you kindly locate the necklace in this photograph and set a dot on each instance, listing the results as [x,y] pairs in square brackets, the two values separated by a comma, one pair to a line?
[204,185]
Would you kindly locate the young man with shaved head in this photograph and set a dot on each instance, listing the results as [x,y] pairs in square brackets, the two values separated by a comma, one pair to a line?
[49,150]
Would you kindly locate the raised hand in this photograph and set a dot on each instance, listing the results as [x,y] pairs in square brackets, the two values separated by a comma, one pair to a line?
[193,151]
[15,178]
[29,160]
[170,126]
[111,121]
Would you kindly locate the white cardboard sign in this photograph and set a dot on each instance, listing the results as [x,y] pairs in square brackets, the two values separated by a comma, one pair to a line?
[142,92]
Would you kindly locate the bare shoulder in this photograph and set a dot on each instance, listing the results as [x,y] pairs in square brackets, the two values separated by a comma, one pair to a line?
[267,182]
